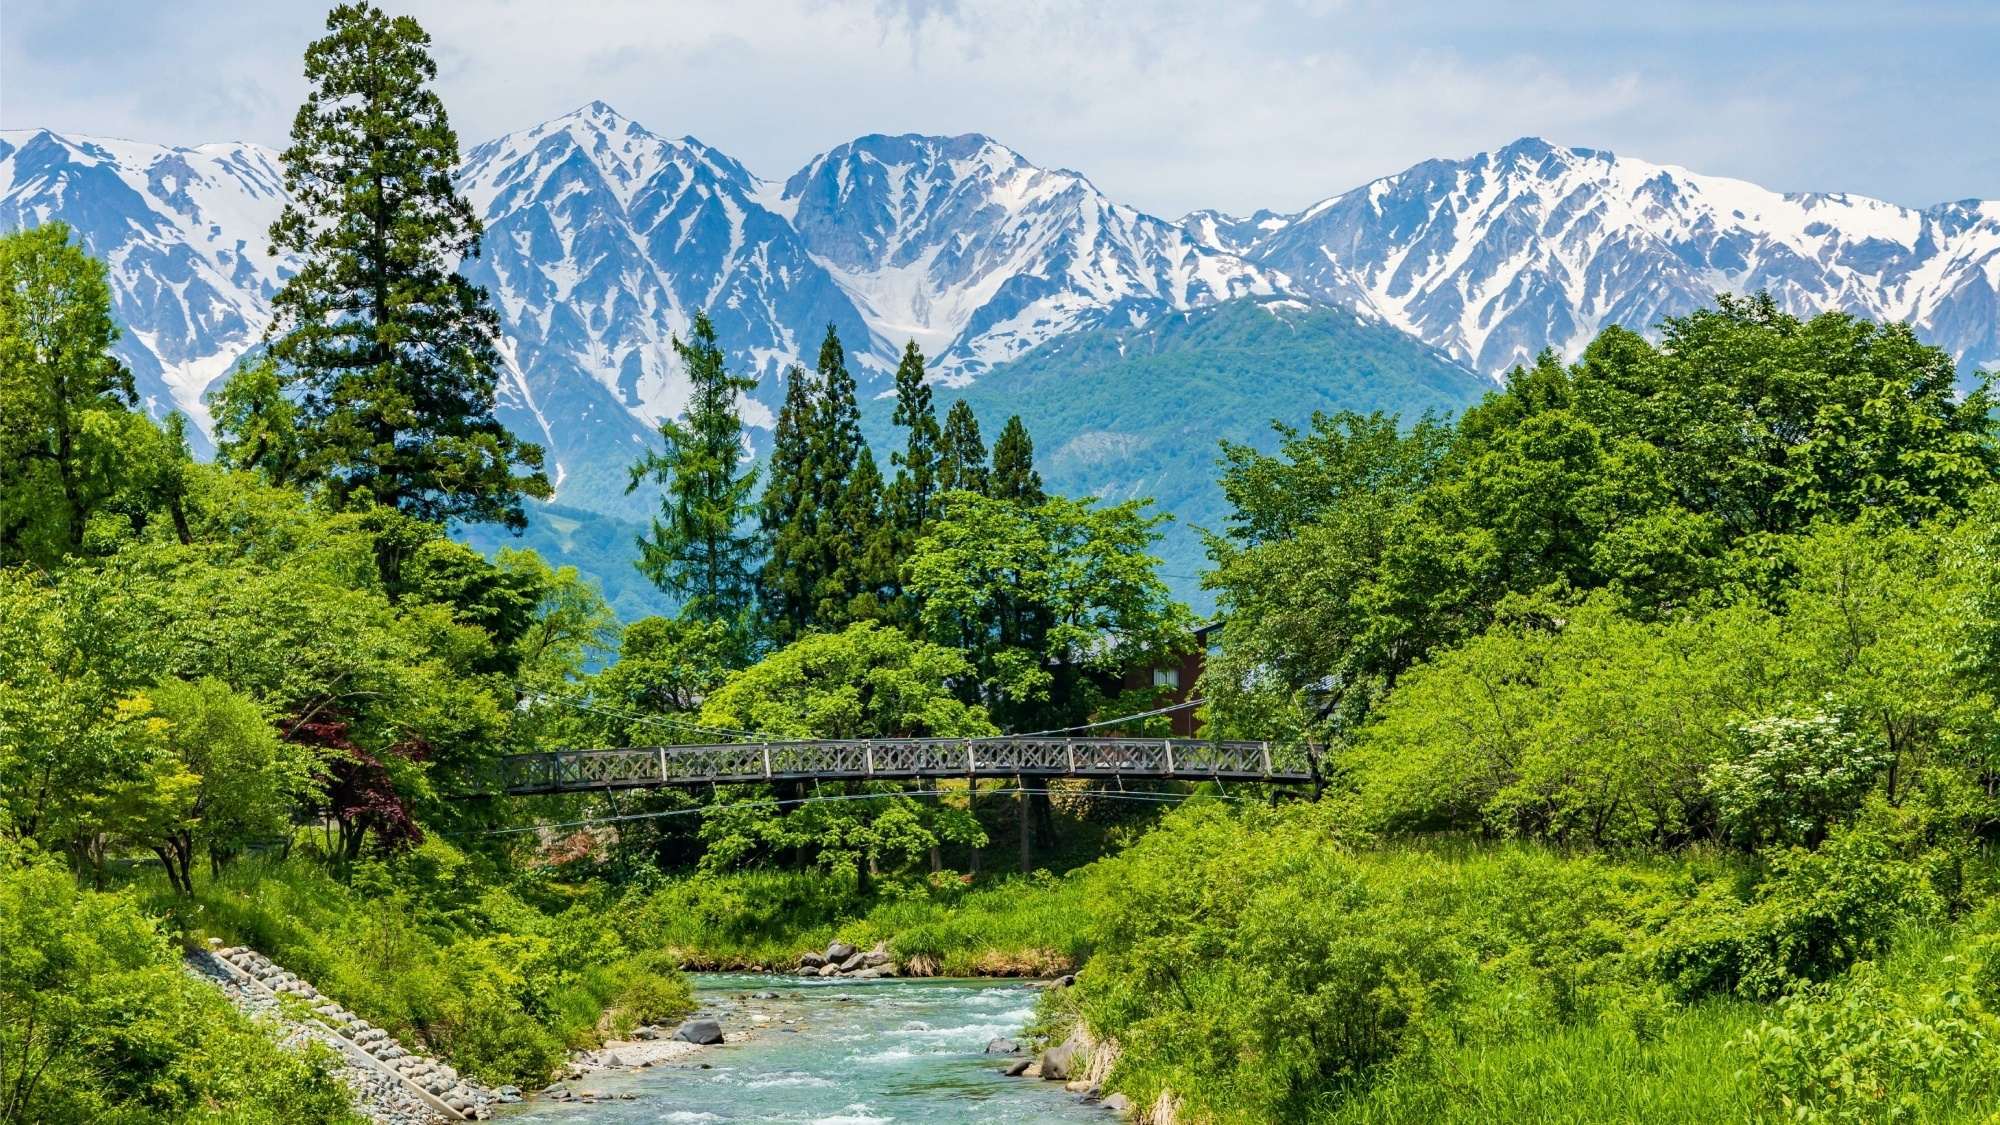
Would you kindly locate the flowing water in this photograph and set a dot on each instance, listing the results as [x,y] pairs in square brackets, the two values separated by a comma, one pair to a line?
[838,1053]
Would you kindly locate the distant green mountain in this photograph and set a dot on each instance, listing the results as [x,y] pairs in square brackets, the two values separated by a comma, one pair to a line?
[598,546]
[1117,413]
[1123,413]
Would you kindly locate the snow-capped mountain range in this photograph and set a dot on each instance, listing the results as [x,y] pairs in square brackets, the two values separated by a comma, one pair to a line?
[1499,255]
[603,239]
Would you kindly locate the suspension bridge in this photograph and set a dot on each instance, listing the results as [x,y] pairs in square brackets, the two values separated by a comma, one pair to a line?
[900,759]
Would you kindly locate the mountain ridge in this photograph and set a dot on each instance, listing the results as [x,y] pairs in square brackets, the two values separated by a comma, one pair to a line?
[603,237]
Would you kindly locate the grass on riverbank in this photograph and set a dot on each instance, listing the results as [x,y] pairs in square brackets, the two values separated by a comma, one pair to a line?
[1009,926]
[432,949]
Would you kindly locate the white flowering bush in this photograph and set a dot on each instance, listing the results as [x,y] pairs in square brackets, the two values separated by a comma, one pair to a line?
[1787,777]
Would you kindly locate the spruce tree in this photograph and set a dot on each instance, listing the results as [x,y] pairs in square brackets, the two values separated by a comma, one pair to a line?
[786,513]
[391,350]
[962,456]
[697,549]
[836,575]
[1014,475]
[914,494]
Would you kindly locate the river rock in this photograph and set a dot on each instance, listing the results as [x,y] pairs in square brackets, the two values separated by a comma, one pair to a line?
[646,1033]
[702,1031]
[829,970]
[874,957]
[1059,1061]
[1002,1047]
[763,996]
[852,962]
[865,974]
[839,951]
[809,970]
[1018,1068]
[1118,1103]
[811,960]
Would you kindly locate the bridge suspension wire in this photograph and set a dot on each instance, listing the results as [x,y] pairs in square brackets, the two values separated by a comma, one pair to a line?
[1119,721]
[1156,798]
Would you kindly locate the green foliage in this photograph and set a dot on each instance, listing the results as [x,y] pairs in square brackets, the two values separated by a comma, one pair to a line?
[1660,475]
[392,351]
[1813,914]
[428,946]
[221,778]
[98,1022]
[1906,1042]
[257,424]
[1047,602]
[63,397]
[697,550]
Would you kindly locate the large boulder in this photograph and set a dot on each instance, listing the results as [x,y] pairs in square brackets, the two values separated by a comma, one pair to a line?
[702,1031]
[852,961]
[811,961]
[1066,1060]
[1002,1047]
[874,957]
[839,951]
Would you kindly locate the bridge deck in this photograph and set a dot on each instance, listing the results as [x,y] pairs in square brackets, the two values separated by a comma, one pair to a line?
[1176,759]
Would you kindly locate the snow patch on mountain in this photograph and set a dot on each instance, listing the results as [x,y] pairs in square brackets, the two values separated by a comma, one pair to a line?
[1499,255]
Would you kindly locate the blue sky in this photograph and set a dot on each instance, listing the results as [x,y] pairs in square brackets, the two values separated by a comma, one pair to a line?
[1168,104]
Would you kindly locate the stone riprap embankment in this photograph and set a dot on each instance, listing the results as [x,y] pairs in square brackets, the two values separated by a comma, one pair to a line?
[844,960]
[392,1084]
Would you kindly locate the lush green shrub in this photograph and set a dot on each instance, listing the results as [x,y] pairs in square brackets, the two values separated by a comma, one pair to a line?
[1874,1046]
[1814,914]
[428,947]
[99,1022]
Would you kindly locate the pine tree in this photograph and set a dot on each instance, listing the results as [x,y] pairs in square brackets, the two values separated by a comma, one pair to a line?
[914,494]
[697,549]
[1014,475]
[394,352]
[962,456]
[790,522]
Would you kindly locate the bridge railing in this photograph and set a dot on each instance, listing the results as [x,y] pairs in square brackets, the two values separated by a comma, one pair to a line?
[833,759]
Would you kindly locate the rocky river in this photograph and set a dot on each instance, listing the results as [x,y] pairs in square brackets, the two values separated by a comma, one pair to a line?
[835,1052]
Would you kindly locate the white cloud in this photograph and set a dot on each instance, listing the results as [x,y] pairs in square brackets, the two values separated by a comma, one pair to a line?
[1170,105]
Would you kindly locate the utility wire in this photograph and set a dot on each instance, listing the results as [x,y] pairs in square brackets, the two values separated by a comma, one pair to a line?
[1119,721]
[1157,798]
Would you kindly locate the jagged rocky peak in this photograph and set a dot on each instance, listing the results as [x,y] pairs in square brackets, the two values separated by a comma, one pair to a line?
[1500,254]
[976,253]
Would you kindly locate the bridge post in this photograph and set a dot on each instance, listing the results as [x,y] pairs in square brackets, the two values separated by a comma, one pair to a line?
[970,769]
[663,764]
[767,761]
[868,758]
[1265,749]
[1170,757]
[1070,745]
[1027,826]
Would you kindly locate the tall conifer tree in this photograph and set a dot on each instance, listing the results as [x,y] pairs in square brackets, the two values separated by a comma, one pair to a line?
[838,574]
[1014,475]
[790,522]
[394,352]
[698,549]
[914,493]
[962,459]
